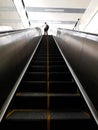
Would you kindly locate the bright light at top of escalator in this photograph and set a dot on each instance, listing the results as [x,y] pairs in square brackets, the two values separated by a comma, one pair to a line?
[93,24]
[5,28]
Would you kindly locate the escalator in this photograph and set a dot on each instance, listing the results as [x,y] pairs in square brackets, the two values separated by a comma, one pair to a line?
[48,97]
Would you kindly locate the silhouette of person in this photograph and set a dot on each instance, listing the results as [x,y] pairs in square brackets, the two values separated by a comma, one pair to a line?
[46,28]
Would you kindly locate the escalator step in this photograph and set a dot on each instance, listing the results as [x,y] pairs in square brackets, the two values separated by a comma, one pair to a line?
[56,58]
[43,68]
[54,87]
[27,115]
[58,68]
[30,101]
[30,114]
[60,76]
[70,120]
[37,62]
[32,119]
[35,76]
[33,86]
[65,101]
[37,68]
[62,87]
[70,115]
[39,101]
[40,58]
[26,119]
[56,63]
[53,55]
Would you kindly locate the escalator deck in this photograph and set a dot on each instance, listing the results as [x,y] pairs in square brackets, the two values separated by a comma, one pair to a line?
[48,97]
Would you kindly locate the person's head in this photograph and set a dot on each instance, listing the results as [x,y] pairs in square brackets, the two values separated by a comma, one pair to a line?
[45,23]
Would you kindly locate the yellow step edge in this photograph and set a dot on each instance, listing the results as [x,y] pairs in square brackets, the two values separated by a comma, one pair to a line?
[87,114]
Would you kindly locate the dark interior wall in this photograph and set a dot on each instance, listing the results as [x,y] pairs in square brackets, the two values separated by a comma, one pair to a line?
[15,50]
[81,51]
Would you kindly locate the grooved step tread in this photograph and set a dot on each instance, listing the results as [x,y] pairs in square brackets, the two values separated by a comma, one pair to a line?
[30,94]
[26,114]
[71,115]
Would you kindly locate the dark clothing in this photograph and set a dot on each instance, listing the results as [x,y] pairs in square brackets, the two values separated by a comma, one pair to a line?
[46,28]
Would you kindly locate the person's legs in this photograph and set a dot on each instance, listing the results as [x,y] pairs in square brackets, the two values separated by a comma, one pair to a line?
[45,32]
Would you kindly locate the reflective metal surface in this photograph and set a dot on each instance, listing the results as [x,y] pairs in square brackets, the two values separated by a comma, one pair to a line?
[15,51]
[81,51]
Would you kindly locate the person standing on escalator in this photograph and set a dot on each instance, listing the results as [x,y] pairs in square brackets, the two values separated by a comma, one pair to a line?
[46,28]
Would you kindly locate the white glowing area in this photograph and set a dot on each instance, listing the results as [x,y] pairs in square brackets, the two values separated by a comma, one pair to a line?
[93,24]
[5,28]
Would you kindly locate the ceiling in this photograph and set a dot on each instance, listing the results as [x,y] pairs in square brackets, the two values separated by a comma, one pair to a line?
[57,13]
